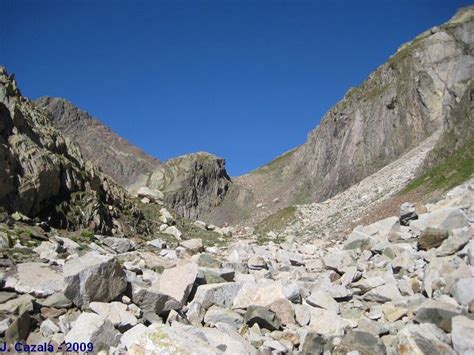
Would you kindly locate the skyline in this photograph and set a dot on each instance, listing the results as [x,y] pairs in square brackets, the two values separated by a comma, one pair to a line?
[244,81]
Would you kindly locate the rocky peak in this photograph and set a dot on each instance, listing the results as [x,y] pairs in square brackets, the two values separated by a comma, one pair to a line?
[122,161]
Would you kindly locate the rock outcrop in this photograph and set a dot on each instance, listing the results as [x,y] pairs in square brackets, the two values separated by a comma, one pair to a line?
[192,184]
[43,174]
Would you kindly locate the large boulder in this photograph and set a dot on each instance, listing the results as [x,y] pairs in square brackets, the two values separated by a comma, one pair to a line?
[262,316]
[93,277]
[462,335]
[422,339]
[177,282]
[150,299]
[38,279]
[447,219]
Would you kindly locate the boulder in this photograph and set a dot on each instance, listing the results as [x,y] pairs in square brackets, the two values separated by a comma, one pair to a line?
[259,294]
[462,335]
[263,317]
[157,243]
[38,279]
[175,232]
[93,277]
[150,299]
[91,328]
[120,245]
[431,238]
[193,245]
[328,323]
[177,282]
[446,219]
[116,313]
[422,339]
[407,213]
[19,329]
[361,342]
[151,194]
[323,299]
[437,312]
[284,311]
[463,290]
[454,243]
[222,294]
[256,262]
[217,314]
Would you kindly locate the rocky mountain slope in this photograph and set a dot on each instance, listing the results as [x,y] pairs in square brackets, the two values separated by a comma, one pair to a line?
[43,175]
[420,90]
[116,157]
[401,285]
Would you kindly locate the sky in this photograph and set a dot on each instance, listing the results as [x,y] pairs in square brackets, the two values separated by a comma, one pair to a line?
[245,80]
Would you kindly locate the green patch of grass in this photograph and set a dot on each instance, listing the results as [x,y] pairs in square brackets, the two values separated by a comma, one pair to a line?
[265,239]
[449,173]
[209,238]
[87,234]
[277,220]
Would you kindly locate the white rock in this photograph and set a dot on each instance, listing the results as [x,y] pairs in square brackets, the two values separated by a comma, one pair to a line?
[463,290]
[221,294]
[91,328]
[175,232]
[177,282]
[462,335]
[114,312]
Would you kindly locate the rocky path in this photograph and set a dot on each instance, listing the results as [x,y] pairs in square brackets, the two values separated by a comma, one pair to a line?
[387,289]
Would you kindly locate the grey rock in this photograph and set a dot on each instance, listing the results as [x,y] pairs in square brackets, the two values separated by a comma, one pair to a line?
[422,339]
[56,300]
[91,328]
[445,219]
[256,262]
[263,317]
[19,329]
[150,299]
[324,300]
[217,314]
[157,243]
[120,245]
[362,342]
[463,290]
[437,312]
[93,277]
[455,242]
[222,294]
[35,278]
[431,238]
[116,313]
[461,334]
[407,213]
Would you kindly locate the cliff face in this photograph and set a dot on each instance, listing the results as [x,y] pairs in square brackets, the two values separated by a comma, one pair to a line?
[192,184]
[116,157]
[42,174]
[402,103]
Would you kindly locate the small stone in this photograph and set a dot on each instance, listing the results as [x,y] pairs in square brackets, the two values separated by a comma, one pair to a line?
[463,291]
[431,238]
[256,263]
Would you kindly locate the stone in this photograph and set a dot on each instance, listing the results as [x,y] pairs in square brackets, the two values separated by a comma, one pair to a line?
[38,279]
[454,243]
[263,317]
[323,299]
[284,311]
[431,238]
[259,294]
[407,213]
[302,314]
[217,314]
[193,245]
[463,290]
[49,328]
[275,346]
[256,262]
[222,294]
[314,343]
[369,326]
[328,323]
[150,299]
[358,240]
[393,313]
[48,312]
[116,313]
[157,243]
[437,312]
[200,224]
[444,219]
[462,335]
[361,342]
[175,232]
[93,277]
[130,336]
[18,305]
[422,339]
[120,245]
[383,293]
[206,260]
[177,282]
[19,329]
[151,194]
[56,300]
[91,328]
[7,296]
[339,260]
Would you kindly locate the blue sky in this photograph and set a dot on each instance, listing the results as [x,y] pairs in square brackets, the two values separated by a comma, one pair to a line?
[245,80]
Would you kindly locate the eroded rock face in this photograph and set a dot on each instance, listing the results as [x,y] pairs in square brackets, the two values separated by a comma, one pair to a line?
[192,184]
[42,174]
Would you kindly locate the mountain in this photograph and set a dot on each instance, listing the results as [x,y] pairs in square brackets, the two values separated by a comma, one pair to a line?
[43,175]
[124,162]
[418,92]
